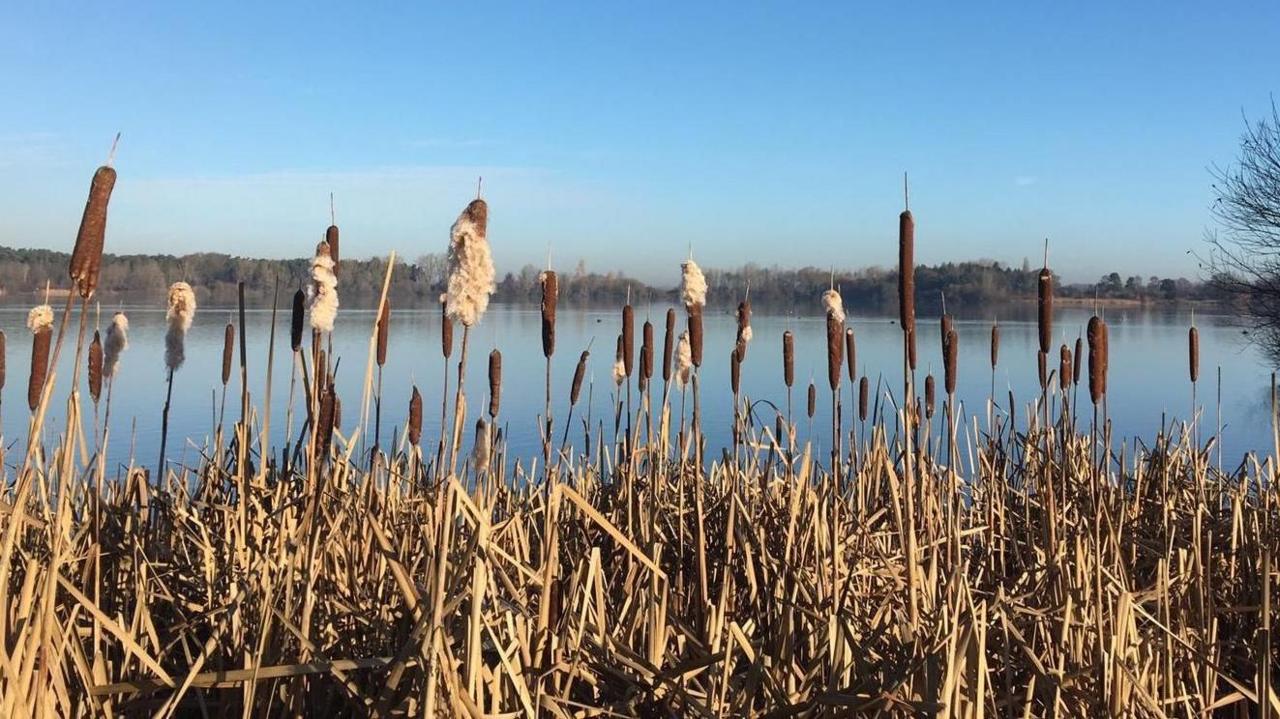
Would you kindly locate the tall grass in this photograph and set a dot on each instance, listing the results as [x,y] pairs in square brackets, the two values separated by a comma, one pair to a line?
[1039,570]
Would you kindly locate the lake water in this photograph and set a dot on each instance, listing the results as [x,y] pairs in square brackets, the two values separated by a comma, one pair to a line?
[1148,379]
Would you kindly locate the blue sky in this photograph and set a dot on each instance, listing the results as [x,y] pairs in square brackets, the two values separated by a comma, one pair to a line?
[773,133]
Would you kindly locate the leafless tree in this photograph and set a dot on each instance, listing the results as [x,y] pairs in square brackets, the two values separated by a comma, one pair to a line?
[1245,256]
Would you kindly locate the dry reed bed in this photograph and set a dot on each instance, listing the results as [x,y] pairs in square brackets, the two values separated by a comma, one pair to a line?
[919,564]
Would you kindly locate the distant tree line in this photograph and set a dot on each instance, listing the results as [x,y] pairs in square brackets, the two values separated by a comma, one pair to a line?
[215,276]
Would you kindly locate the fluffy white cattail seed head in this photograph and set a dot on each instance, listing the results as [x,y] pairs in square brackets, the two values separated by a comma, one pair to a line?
[182,311]
[833,304]
[693,284]
[323,290]
[40,318]
[684,359]
[117,343]
[470,265]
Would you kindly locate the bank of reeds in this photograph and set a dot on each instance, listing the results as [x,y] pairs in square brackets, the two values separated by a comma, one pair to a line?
[1041,570]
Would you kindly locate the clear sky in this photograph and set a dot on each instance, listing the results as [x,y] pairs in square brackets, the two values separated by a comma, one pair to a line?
[773,133]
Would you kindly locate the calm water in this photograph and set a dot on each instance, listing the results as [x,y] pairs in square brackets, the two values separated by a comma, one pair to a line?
[1148,372]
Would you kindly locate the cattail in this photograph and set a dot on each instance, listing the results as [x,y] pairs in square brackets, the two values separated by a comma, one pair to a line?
[835,350]
[495,382]
[95,367]
[1064,367]
[735,371]
[322,371]
[619,365]
[579,373]
[331,237]
[182,310]
[337,408]
[325,420]
[928,396]
[228,347]
[744,329]
[1042,364]
[628,338]
[1077,362]
[470,265]
[323,289]
[683,360]
[907,272]
[788,358]
[851,354]
[813,400]
[995,345]
[86,258]
[645,360]
[117,343]
[3,353]
[550,293]
[415,417]
[296,320]
[951,366]
[40,322]
[911,349]
[946,325]
[1193,348]
[646,352]
[1096,333]
[480,450]
[446,329]
[833,305]
[668,345]
[693,290]
[864,391]
[384,331]
[1046,309]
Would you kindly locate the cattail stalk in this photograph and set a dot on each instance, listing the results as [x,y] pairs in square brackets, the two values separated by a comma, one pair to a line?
[550,296]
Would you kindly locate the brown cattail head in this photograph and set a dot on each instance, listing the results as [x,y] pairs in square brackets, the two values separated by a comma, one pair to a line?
[40,322]
[325,421]
[1064,367]
[480,450]
[864,392]
[1096,334]
[86,258]
[668,345]
[946,325]
[929,392]
[646,360]
[1046,309]
[744,329]
[228,348]
[995,345]
[851,354]
[579,373]
[628,338]
[384,331]
[95,367]
[695,333]
[331,236]
[835,350]
[337,407]
[296,319]
[446,329]
[907,272]
[646,352]
[1077,362]
[1042,367]
[495,382]
[550,294]
[1193,348]
[321,371]
[951,365]
[735,371]
[415,417]
[788,358]
[813,400]
[911,349]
